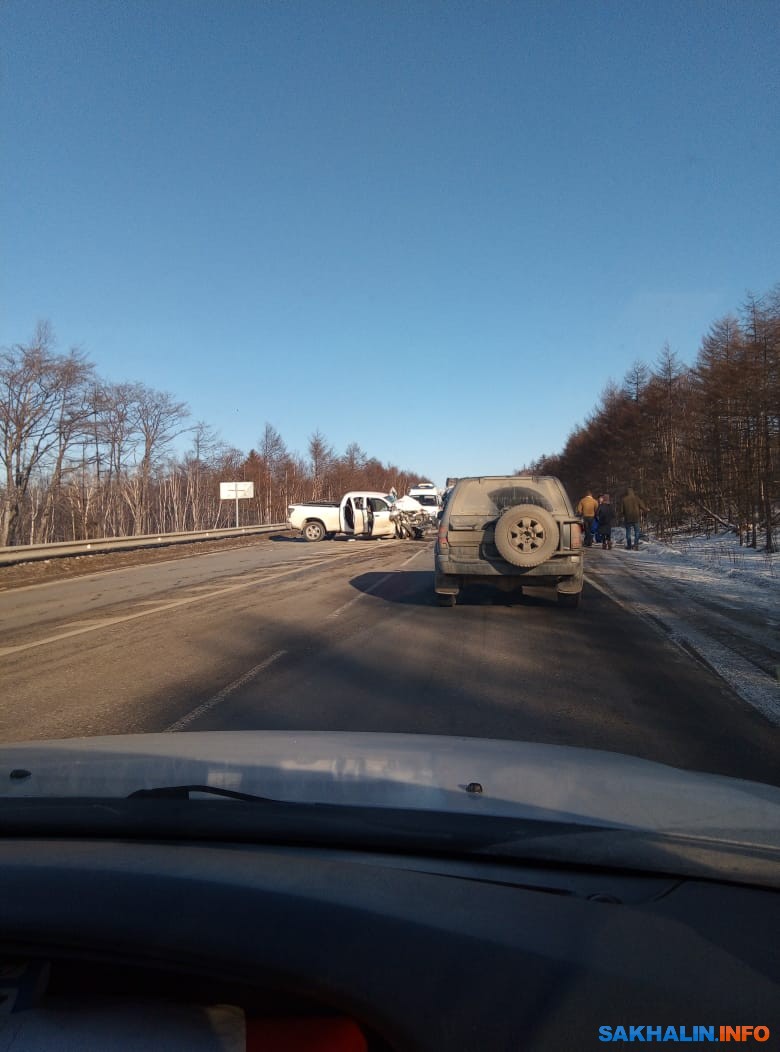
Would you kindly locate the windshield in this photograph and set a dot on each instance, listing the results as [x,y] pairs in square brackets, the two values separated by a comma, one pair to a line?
[234,235]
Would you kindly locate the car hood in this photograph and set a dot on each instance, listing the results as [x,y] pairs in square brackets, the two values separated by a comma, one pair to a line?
[407,503]
[408,771]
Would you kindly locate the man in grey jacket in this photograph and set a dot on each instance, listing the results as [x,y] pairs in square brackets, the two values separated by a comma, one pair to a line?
[631,509]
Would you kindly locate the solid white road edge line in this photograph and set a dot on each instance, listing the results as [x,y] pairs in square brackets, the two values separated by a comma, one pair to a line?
[745,679]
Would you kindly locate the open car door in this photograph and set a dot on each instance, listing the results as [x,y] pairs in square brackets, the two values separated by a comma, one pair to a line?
[354,519]
[381,525]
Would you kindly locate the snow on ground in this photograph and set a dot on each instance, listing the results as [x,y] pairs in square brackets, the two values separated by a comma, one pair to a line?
[712,597]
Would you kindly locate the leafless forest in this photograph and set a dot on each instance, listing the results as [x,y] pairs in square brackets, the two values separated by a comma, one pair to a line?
[82,458]
[700,443]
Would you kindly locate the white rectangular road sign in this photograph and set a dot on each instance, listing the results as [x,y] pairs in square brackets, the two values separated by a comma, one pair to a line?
[236,490]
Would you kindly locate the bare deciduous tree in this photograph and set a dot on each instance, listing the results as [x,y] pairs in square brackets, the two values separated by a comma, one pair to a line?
[42,406]
[320,458]
[85,458]
[273,454]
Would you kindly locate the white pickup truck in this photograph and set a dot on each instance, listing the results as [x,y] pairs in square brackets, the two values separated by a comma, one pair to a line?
[358,514]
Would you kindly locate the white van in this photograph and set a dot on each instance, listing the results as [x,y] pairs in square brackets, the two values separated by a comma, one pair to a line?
[429,496]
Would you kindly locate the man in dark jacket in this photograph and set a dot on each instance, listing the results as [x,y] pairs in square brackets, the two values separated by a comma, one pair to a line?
[605,516]
[631,509]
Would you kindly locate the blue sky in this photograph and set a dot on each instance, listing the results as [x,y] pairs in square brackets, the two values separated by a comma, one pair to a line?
[436,229]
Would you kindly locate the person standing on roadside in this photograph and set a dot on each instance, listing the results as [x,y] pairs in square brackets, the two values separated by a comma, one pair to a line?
[596,533]
[631,509]
[587,508]
[605,517]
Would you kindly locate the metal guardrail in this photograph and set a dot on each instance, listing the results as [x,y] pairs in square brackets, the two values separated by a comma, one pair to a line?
[25,553]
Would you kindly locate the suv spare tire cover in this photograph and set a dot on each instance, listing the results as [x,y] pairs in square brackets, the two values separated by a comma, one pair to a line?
[526,535]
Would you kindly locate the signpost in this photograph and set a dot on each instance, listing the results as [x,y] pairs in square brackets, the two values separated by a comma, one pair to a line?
[236,491]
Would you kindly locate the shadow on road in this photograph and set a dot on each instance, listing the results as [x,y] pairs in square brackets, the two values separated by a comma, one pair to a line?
[296,538]
[408,587]
[415,588]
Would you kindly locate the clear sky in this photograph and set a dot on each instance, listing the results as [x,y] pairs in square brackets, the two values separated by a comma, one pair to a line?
[434,228]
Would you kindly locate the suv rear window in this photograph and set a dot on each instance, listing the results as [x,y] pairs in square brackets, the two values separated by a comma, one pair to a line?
[489,497]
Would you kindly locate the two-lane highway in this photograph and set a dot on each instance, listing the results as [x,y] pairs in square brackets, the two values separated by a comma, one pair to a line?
[347,636]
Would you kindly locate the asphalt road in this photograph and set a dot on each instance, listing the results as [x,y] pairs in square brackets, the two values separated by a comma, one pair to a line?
[347,636]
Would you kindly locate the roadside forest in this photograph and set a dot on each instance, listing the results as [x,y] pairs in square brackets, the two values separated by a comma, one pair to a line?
[82,458]
[700,443]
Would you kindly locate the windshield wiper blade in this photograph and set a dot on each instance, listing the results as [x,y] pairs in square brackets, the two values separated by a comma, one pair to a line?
[184,792]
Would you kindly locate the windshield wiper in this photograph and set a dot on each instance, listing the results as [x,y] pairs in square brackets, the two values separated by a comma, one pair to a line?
[184,792]
[175,813]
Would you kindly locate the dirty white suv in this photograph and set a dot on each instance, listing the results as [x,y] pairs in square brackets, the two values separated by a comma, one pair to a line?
[509,531]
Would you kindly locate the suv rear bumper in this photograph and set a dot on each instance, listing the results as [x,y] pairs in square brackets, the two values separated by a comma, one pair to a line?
[563,572]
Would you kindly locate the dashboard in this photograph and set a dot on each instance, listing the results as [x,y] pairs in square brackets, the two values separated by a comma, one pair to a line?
[372,950]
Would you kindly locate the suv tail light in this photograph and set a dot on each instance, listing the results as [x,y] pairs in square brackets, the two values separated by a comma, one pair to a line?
[576,535]
[441,537]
